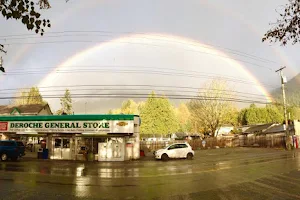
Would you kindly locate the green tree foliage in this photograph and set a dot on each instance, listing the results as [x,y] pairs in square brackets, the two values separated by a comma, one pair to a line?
[184,118]
[212,108]
[128,107]
[293,112]
[66,104]
[33,96]
[255,115]
[158,116]
[287,27]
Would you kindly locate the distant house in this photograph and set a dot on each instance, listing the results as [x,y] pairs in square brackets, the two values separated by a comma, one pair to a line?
[279,129]
[268,129]
[257,129]
[27,110]
[179,136]
[34,109]
[224,130]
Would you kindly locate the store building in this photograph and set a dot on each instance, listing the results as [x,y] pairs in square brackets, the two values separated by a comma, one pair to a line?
[74,137]
[33,142]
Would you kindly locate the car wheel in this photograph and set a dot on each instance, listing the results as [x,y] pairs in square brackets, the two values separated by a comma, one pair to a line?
[165,157]
[4,157]
[189,156]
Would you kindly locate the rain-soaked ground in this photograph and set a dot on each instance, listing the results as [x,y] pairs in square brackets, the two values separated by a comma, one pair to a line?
[239,173]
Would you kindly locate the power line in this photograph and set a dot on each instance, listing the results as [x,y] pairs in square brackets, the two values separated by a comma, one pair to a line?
[121,87]
[143,96]
[259,97]
[97,68]
[137,43]
[147,72]
[110,33]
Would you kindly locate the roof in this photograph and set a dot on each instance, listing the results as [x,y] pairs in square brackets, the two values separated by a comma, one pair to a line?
[22,109]
[278,128]
[258,128]
[179,135]
[67,117]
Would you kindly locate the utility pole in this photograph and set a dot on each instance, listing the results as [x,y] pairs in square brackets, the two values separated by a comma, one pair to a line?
[283,81]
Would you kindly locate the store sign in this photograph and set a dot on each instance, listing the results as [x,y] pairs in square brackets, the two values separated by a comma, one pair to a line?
[113,126]
[3,126]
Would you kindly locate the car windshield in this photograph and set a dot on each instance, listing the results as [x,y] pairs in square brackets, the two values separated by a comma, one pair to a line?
[167,146]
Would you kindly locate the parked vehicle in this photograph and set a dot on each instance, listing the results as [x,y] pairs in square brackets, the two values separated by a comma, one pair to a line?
[22,148]
[178,150]
[11,150]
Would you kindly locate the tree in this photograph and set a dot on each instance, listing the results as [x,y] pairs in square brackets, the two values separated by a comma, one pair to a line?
[242,117]
[33,96]
[274,114]
[294,112]
[184,118]
[254,115]
[212,108]
[25,11]
[158,116]
[66,104]
[128,107]
[287,26]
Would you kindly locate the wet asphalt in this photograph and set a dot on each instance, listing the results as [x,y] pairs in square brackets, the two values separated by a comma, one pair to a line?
[233,173]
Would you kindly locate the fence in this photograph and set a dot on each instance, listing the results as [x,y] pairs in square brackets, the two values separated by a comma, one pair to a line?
[263,141]
[221,142]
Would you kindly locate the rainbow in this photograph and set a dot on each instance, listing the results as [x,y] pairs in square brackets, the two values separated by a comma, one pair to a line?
[58,20]
[189,43]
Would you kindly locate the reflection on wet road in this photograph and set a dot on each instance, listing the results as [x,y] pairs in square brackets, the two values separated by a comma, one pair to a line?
[213,174]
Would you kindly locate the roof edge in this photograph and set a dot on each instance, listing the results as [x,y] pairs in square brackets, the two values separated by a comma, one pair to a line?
[67,117]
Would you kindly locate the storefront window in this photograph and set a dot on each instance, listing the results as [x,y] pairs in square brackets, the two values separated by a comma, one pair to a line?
[89,144]
[57,143]
[66,143]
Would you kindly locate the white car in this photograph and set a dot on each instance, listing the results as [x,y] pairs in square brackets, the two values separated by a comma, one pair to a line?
[178,150]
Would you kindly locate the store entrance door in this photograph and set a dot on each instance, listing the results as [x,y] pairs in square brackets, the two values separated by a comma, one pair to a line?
[111,150]
[62,149]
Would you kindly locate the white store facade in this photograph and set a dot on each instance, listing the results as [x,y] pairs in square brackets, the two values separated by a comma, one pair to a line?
[76,137]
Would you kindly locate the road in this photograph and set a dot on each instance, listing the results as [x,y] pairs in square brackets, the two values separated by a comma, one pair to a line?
[233,173]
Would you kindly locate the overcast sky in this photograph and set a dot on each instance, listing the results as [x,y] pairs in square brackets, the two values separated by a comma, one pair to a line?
[168,31]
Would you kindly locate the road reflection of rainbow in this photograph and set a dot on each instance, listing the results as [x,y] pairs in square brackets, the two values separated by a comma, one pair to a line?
[167,40]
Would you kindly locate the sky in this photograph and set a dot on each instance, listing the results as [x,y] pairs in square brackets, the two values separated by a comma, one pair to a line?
[180,45]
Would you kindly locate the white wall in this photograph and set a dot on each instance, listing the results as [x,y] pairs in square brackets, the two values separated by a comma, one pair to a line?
[297,127]
[136,134]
